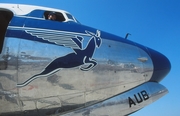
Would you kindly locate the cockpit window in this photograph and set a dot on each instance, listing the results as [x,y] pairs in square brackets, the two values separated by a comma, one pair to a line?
[61,16]
[56,16]
[69,16]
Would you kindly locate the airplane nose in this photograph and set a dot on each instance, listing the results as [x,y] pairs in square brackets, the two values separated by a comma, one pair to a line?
[161,64]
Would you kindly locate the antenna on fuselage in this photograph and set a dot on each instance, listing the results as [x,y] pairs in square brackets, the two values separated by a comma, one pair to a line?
[127,35]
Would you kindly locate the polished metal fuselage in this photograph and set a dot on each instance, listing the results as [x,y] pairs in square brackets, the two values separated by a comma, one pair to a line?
[124,103]
[118,70]
[65,68]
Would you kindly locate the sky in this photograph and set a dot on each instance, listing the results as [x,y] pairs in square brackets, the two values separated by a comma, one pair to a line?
[153,23]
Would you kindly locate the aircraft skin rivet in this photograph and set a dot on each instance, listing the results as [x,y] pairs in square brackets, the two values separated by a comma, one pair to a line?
[145,75]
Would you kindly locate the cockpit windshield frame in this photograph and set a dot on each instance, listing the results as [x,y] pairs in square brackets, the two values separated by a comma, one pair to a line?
[61,16]
[71,18]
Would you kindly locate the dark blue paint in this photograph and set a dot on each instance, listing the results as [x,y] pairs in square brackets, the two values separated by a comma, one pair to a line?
[162,65]
[36,13]
[54,25]
[17,21]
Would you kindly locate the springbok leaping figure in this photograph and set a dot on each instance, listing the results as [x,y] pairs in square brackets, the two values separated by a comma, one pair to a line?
[79,57]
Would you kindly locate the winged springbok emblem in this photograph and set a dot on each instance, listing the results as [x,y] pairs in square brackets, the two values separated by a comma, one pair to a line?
[79,57]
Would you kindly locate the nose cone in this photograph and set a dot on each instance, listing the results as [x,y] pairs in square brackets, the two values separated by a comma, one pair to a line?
[161,64]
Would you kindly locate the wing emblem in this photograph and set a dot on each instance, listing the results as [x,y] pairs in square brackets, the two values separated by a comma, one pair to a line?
[63,38]
[80,57]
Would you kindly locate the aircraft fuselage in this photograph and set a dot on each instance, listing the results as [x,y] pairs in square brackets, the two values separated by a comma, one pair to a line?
[54,67]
